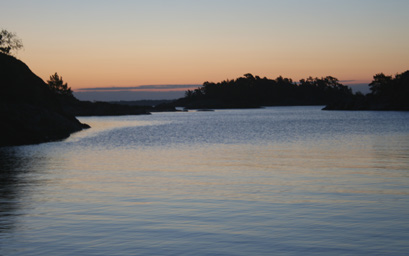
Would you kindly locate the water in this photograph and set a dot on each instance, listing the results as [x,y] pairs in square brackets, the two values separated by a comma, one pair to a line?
[275,181]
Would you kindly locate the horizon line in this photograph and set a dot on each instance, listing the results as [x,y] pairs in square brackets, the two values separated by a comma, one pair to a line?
[141,87]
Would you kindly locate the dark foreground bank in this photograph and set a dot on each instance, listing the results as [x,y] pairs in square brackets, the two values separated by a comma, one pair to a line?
[29,112]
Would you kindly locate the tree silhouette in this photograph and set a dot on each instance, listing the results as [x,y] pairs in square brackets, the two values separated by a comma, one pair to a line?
[380,84]
[9,41]
[57,85]
[390,92]
[387,93]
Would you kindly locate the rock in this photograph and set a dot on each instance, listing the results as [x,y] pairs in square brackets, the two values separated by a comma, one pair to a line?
[29,111]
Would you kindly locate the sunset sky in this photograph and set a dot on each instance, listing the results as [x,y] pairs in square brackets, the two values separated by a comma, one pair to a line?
[185,42]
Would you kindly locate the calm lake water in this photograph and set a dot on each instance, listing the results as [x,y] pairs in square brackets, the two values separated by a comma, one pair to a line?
[274,181]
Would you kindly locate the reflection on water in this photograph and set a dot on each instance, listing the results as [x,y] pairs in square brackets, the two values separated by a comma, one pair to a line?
[19,174]
[9,181]
[286,181]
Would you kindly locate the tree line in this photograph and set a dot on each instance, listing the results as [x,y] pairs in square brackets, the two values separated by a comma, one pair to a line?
[390,92]
[253,91]
[386,93]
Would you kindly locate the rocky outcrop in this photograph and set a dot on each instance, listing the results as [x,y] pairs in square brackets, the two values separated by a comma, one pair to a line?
[29,111]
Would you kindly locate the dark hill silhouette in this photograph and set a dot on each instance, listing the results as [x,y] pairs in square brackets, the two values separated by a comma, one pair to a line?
[29,111]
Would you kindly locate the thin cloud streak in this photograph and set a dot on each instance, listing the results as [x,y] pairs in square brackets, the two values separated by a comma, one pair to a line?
[142,87]
[347,81]
[127,95]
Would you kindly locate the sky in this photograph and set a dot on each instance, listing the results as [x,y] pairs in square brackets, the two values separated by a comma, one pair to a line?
[153,43]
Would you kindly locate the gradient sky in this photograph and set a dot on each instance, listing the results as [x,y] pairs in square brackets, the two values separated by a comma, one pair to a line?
[131,43]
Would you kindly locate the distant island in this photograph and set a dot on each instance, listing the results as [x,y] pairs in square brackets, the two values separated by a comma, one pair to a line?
[253,92]
[387,93]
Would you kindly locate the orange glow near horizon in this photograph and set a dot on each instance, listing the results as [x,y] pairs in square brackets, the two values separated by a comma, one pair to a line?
[124,73]
[184,42]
